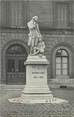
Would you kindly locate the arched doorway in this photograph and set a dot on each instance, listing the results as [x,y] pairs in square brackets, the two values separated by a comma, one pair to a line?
[15,69]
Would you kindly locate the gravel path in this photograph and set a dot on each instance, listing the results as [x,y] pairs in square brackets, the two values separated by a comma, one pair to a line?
[8,109]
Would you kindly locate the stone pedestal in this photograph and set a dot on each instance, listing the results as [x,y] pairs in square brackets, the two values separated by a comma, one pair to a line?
[36,87]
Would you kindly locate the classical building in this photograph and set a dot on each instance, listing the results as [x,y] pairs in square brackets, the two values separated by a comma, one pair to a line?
[56,21]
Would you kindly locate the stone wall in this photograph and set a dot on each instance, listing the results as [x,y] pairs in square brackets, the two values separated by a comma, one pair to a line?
[17,13]
[52,42]
[14,29]
[7,39]
[48,11]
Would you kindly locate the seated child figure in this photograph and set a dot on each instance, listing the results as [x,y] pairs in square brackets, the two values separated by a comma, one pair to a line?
[39,50]
[41,46]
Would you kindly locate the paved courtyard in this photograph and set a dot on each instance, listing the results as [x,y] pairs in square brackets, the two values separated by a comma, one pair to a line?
[8,109]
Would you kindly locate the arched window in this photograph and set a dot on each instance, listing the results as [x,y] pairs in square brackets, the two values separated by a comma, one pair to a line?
[62,62]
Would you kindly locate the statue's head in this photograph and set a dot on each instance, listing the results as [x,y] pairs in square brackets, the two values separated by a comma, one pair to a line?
[35,18]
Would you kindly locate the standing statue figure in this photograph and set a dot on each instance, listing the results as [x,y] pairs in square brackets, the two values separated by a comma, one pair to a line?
[35,38]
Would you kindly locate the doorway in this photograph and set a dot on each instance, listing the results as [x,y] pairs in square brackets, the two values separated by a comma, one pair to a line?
[15,69]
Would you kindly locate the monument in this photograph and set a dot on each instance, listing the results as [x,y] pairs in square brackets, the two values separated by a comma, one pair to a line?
[36,89]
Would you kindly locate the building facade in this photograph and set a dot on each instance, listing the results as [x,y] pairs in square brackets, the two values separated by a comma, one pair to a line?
[56,22]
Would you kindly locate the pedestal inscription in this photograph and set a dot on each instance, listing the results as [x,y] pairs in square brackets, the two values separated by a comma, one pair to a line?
[38,71]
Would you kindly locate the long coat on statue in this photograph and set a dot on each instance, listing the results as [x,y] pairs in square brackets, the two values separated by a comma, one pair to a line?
[34,34]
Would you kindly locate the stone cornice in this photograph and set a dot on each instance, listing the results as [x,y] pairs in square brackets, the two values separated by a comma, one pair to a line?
[50,31]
